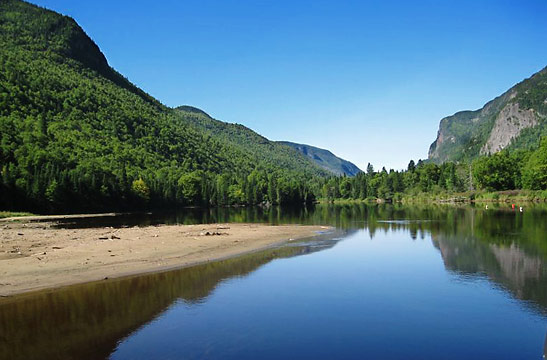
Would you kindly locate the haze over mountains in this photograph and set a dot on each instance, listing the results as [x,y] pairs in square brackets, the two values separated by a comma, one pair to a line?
[238,134]
[326,159]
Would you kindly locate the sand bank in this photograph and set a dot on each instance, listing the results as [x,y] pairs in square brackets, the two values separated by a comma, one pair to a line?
[36,256]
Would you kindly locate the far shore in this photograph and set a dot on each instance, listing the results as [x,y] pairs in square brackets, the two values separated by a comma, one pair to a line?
[468,197]
[36,256]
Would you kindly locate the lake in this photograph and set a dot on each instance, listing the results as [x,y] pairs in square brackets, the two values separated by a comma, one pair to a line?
[391,282]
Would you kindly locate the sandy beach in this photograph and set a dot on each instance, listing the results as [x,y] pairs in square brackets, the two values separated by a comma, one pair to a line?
[35,255]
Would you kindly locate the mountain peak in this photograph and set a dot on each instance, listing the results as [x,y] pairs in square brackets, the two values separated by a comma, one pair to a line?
[192,109]
[39,30]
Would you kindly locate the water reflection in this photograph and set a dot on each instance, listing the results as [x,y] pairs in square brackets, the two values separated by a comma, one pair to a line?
[508,247]
[87,322]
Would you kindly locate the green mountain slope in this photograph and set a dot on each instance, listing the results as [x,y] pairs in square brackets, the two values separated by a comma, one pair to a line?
[244,140]
[516,119]
[75,135]
[325,159]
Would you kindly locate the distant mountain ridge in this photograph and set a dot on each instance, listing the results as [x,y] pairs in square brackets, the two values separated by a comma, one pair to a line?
[239,135]
[246,140]
[516,119]
[325,159]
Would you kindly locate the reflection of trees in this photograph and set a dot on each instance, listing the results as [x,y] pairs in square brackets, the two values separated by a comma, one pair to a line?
[509,247]
[495,225]
[87,321]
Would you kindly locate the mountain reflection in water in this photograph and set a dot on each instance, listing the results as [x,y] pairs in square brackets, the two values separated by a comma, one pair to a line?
[506,248]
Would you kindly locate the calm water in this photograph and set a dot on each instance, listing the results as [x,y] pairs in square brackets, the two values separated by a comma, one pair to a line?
[390,283]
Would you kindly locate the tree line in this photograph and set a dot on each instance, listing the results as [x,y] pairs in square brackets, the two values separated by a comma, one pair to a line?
[505,170]
[76,136]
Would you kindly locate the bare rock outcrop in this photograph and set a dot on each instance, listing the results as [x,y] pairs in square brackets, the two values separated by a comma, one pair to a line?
[507,126]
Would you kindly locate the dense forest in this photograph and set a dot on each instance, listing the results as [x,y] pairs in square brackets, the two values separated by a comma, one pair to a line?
[505,170]
[77,136]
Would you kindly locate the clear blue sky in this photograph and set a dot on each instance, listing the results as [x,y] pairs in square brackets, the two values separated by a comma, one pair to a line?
[368,80]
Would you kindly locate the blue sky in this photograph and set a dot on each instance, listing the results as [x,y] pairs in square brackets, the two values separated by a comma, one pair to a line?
[368,80]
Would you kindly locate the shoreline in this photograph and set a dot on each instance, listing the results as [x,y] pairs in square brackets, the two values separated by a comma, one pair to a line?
[29,218]
[34,256]
[447,199]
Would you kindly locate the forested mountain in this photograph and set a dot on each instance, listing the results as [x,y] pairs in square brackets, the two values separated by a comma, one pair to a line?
[247,141]
[325,159]
[516,120]
[75,135]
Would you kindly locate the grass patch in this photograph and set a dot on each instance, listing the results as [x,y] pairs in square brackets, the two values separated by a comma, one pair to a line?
[513,195]
[477,196]
[480,196]
[7,214]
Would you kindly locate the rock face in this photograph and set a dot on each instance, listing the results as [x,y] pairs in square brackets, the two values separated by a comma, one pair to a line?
[515,119]
[517,267]
[508,125]
[523,274]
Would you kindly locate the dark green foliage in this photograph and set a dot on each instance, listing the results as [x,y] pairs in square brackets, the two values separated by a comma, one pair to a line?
[531,92]
[496,172]
[411,166]
[247,144]
[426,177]
[370,168]
[518,169]
[534,175]
[77,136]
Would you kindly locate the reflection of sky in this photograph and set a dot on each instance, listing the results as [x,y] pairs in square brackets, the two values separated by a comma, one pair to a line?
[386,297]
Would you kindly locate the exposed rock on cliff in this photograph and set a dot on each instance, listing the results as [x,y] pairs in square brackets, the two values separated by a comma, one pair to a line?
[508,125]
[515,119]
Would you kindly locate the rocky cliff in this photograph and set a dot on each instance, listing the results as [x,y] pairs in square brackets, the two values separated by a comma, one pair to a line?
[517,118]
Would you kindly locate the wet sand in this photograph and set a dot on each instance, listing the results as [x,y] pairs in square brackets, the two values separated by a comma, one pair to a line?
[35,256]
